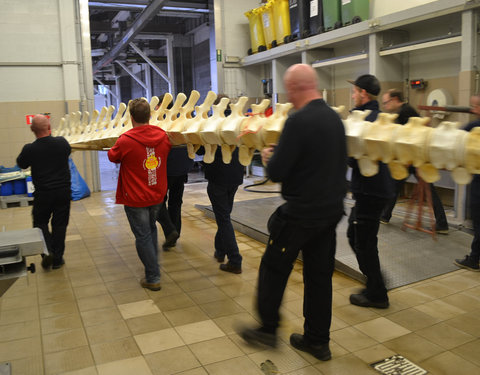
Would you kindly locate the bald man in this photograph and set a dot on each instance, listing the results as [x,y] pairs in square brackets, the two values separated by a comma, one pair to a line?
[310,161]
[48,159]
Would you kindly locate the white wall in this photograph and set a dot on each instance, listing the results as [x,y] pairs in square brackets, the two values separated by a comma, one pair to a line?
[380,8]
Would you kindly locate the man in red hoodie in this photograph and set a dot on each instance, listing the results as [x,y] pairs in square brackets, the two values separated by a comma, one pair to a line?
[142,183]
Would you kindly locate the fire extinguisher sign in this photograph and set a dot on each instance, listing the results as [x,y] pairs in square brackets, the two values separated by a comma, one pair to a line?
[29,118]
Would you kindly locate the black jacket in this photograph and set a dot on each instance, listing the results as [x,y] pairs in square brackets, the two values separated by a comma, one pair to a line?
[310,161]
[382,184]
[178,162]
[475,186]
[224,174]
[406,111]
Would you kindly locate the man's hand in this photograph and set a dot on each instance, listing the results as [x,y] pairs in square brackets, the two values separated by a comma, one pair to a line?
[267,154]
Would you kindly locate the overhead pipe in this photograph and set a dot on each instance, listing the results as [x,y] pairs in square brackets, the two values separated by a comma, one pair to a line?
[137,26]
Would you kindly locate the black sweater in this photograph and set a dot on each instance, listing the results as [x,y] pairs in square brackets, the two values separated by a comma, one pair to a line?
[310,160]
[48,157]
[475,186]
[382,184]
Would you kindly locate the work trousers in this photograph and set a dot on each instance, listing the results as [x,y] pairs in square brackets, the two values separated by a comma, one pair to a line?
[318,244]
[363,225]
[475,213]
[54,205]
[170,215]
[222,198]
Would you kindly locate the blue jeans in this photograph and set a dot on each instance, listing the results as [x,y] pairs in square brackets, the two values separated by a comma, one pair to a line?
[143,224]
[221,198]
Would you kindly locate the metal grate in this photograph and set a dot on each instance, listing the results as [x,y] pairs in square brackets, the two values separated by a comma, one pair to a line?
[397,365]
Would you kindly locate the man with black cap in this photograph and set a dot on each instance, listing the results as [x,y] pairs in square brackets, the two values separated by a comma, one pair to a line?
[371,195]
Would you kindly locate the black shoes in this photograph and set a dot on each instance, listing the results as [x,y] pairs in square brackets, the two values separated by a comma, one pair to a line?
[468,263]
[232,268]
[219,258]
[363,301]
[58,264]
[47,261]
[170,241]
[319,351]
[259,336]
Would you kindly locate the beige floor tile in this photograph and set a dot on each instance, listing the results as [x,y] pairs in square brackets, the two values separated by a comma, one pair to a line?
[436,289]
[348,364]
[352,339]
[469,323]
[17,302]
[21,348]
[185,316]
[448,363]
[157,341]
[99,316]
[463,301]
[374,353]
[413,319]
[234,366]
[439,309]
[129,296]
[245,347]
[469,351]
[20,330]
[95,302]
[148,323]
[310,370]
[206,295]
[414,347]
[55,296]
[382,329]
[136,309]
[122,285]
[237,289]
[353,314]
[459,281]
[195,284]
[200,331]
[84,371]
[56,342]
[195,371]
[171,361]
[115,350]
[30,365]
[136,365]
[445,335]
[221,308]
[215,350]
[108,331]
[61,323]
[284,357]
[68,360]
[90,290]
[410,297]
[58,309]
[232,323]
[174,302]
[8,317]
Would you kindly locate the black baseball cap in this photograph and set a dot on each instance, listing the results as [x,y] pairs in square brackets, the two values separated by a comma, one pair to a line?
[369,83]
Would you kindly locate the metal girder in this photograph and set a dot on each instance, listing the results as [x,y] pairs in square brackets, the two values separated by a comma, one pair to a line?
[131,74]
[110,91]
[149,12]
[150,62]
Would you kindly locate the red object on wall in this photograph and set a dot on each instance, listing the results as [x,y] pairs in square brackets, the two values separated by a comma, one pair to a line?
[29,118]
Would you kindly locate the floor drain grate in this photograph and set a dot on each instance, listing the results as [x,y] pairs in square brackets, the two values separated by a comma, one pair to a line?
[397,365]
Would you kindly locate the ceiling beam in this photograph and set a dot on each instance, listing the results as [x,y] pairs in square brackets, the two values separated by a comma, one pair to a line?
[149,12]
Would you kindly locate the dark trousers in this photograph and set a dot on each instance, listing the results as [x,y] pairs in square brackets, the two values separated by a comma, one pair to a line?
[438,210]
[222,198]
[318,244]
[363,225]
[475,213]
[54,205]
[170,215]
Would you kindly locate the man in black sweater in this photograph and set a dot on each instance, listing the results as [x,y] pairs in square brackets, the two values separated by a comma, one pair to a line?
[393,103]
[48,158]
[371,194]
[310,162]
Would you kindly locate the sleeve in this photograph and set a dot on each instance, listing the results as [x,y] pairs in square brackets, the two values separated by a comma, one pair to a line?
[23,160]
[286,153]
[115,153]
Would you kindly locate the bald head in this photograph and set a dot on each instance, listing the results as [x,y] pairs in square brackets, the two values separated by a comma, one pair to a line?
[301,84]
[40,126]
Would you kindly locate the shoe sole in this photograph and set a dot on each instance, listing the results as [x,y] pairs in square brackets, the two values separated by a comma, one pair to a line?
[375,305]
[152,288]
[467,267]
[258,339]
[47,262]
[324,357]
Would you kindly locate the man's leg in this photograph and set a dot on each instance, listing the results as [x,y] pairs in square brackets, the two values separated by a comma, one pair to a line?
[471,261]
[439,212]
[388,209]
[176,186]
[41,213]
[139,219]
[60,219]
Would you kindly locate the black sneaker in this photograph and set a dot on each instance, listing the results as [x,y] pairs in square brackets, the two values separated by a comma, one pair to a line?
[319,351]
[47,261]
[468,263]
[384,221]
[259,336]
[170,240]
[442,230]
[56,265]
[219,258]
[232,268]
[363,301]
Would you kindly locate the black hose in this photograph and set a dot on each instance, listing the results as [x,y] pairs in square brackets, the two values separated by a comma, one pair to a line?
[247,188]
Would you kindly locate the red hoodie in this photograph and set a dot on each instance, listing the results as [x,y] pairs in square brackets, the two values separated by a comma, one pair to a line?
[142,153]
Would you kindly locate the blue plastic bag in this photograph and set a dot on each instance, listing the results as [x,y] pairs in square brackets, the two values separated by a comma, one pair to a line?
[80,188]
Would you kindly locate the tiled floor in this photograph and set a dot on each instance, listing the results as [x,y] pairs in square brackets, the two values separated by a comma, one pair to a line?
[93,318]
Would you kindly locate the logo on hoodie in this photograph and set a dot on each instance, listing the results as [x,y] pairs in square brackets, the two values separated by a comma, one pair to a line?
[151,163]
